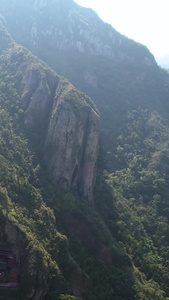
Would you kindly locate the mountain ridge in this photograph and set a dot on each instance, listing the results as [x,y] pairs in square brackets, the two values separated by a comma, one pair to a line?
[118,246]
[60,44]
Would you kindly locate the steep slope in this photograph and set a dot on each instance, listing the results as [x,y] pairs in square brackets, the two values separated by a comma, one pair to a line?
[30,95]
[33,102]
[121,242]
[36,107]
[116,72]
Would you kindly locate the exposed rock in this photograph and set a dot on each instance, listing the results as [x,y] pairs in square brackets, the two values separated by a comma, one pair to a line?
[67,118]
[87,34]
[71,145]
[112,69]
[36,97]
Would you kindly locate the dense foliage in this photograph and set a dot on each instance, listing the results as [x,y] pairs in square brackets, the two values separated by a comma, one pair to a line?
[117,249]
[27,194]
[138,198]
[21,201]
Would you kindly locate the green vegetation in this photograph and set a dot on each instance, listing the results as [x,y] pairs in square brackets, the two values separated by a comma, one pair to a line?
[117,249]
[134,201]
[21,201]
[79,101]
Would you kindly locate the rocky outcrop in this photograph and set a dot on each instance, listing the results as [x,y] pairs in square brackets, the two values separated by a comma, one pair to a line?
[65,117]
[114,71]
[71,144]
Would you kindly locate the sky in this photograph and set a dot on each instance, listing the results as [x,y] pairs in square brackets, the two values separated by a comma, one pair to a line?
[145,21]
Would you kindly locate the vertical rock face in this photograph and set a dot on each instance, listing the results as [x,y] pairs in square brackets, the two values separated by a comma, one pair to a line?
[114,70]
[36,98]
[67,119]
[72,143]
[70,123]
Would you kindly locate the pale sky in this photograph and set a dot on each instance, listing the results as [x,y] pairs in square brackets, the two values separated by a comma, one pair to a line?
[145,21]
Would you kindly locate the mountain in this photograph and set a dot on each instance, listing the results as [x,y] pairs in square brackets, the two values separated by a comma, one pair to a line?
[37,107]
[85,217]
[117,73]
[35,101]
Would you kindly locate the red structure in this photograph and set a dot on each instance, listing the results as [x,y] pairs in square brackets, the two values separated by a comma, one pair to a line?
[11,259]
[9,269]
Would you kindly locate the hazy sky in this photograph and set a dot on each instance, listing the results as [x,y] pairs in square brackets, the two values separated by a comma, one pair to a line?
[145,21]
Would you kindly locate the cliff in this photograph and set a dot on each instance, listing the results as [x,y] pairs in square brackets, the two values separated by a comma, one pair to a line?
[49,139]
[71,144]
[67,119]
[117,73]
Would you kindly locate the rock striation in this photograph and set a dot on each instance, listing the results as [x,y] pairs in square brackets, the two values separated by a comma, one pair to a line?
[72,129]
[71,144]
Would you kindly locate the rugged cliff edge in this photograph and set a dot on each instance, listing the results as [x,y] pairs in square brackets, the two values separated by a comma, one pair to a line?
[68,119]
